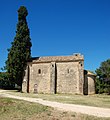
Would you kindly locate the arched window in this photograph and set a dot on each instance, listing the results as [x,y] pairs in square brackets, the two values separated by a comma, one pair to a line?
[39,71]
[68,71]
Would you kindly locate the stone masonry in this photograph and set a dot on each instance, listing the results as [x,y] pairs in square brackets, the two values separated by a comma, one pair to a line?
[57,74]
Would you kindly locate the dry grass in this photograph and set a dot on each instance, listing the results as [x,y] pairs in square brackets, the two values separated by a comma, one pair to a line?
[11,109]
[90,100]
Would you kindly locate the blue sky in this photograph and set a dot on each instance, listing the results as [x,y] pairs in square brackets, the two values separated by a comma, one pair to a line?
[60,27]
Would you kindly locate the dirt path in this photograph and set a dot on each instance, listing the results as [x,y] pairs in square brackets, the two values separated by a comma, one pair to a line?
[95,111]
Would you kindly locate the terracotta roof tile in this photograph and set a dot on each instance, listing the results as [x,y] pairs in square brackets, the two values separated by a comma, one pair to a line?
[75,57]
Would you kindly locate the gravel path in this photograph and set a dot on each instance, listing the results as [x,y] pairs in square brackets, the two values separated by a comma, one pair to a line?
[95,111]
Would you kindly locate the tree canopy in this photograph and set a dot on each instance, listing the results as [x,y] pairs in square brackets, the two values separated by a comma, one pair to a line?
[103,77]
[20,51]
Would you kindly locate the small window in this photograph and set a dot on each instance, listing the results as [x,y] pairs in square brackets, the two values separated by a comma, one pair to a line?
[81,64]
[39,71]
[68,70]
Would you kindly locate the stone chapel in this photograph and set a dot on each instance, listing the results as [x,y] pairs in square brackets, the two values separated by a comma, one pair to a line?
[58,74]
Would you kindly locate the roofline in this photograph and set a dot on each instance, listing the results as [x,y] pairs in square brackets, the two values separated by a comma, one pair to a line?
[48,59]
[37,62]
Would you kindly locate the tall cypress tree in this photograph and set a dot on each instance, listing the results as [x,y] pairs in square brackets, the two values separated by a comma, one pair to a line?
[20,51]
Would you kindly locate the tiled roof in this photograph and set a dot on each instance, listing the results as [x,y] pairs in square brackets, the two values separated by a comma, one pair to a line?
[75,57]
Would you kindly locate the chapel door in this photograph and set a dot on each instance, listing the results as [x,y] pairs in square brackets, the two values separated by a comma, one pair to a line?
[35,88]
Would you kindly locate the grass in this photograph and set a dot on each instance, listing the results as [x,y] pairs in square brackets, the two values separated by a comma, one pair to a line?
[90,100]
[11,109]
[14,109]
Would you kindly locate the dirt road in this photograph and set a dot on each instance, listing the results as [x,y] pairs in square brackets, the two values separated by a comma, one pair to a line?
[95,111]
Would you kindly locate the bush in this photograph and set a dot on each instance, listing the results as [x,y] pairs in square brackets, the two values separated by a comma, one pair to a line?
[102,87]
[4,82]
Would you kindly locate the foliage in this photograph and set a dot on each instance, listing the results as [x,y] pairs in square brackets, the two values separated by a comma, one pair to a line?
[103,77]
[4,81]
[20,51]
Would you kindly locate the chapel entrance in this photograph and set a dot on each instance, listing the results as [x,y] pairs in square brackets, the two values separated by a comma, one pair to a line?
[35,88]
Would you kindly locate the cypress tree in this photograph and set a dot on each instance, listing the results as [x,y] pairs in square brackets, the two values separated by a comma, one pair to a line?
[20,51]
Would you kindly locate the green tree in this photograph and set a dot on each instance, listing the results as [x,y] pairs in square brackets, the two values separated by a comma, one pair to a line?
[103,77]
[20,51]
[4,81]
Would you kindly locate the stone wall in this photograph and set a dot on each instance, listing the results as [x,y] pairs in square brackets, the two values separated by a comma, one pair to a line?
[60,74]
[89,83]
[40,78]
[67,77]
[25,80]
